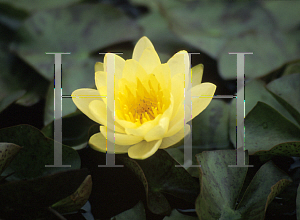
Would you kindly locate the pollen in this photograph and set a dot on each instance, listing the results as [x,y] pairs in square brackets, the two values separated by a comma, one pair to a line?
[144,103]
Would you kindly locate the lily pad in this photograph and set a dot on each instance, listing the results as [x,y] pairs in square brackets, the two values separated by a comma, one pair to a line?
[75,127]
[78,29]
[8,151]
[135,213]
[39,193]
[175,215]
[284,149]
[37,152]
[221,186]
[266,128]
[160,176]
[75,201]
[287,91]
[255,91]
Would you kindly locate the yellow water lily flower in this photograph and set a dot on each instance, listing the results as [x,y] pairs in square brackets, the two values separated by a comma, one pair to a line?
[149,101]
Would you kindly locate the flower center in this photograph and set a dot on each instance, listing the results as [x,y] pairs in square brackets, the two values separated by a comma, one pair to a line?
[144,105]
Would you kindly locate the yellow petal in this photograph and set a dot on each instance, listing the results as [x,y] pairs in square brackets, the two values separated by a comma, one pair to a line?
[177,123]
[169,141]
[177,90]
[118,64]
[82,98]
[99,111]
[143,149]
[197,73]
[132,69]
[120,139]
[163,76]
[99,67]
[205,93]
[140,46]
[159,130]
[98,143]
[143,129]
[149,59]
[178,62]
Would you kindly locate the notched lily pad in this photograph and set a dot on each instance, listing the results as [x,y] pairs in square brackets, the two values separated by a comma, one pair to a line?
[37,152]
[283,149]
[266,128]
[41,192]
[75,201]
[160,176]
[221,187]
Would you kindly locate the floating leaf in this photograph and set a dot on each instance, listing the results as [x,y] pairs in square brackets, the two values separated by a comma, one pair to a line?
[255,91]
[75,201]
[283,11]
[37,152]
[75,127]
[175,215]
[78,29]
[136,213]
[287,91]
[159,175]
[266,128]
[261,191]
[39,193]
[8,151]
[221,186]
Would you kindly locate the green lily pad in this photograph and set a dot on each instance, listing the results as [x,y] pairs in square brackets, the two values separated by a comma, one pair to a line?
[18,82]
[75,201]
[37,152]
[78,29]
[160,176]
[292,68]
[75,127]
[35,5]
[262,191]
[255,91]
[175,215]
[261,61]
[282,12]
[298,203]
[39,193]
[8,151]
[135,213]
[221,186]
[287,91]
[283,149]
[266,128]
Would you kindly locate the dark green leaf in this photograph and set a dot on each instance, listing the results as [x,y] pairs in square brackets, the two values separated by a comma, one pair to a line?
[159,175]
[136,213]
[75,127]
[80,29]
[75,201]
[220,185]
[175,215]
[37,152]
[40,192]
[265,128]
[262,191]
[8,151]
[287,91]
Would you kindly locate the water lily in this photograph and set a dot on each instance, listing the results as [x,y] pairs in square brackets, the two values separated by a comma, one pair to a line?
[149,101]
